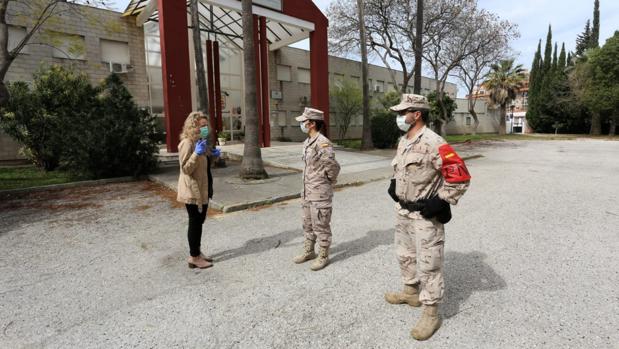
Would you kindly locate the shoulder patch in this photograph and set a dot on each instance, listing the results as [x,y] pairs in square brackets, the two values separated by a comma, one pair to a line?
[454,170]
[325,145]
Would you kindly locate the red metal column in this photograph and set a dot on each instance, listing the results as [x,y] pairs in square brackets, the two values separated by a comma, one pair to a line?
[319,70]
[175,68]
[217,94]
[258,83]
[264,72]
[210,78]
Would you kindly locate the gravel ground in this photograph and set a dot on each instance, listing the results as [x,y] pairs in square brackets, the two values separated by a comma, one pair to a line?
[531,261]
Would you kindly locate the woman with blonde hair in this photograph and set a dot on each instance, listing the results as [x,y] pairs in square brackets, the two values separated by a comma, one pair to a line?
[195,183]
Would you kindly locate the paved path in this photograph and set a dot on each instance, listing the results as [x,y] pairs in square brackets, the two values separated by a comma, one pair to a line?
[284,165]
[531,261]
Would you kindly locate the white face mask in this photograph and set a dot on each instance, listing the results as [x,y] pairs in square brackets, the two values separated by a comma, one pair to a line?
[303,128]
[402,125]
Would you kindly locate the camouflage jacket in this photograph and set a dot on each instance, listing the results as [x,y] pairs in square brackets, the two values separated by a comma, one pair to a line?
[321,169]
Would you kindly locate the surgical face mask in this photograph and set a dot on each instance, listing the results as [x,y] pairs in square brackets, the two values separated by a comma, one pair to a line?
[303,128]
[402,125]
[204,132]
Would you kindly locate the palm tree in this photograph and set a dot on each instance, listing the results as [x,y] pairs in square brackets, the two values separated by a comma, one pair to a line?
[504,81]
[251,166]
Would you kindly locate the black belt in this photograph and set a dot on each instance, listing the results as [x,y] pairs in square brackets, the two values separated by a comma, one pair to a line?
[413,205]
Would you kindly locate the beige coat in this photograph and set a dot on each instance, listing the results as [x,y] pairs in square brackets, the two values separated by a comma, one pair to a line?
[321,169]
[194,177]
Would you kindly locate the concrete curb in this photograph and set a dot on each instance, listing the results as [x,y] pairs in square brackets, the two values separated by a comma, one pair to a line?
[68,185]
[284,197]
[236,157]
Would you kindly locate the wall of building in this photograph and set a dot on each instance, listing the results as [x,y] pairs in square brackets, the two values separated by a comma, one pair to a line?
[463,121]
[288,76]
[92,31]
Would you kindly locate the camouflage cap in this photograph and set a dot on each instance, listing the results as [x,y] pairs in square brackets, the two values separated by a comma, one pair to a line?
[411,101]
[311,114]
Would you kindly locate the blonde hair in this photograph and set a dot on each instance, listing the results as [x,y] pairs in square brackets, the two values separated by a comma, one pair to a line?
[191,125]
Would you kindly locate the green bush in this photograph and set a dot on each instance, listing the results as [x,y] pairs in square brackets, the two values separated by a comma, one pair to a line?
[90,132]
[116,138]
[385,131]
[42,119]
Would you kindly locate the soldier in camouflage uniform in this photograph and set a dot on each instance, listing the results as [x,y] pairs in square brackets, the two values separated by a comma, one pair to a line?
[428,177]
[319,176]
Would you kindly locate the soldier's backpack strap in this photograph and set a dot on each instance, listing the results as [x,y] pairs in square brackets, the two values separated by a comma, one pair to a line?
[453,169]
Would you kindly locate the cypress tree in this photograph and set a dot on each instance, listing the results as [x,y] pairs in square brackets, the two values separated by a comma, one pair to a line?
[562,59]
[535,80]
[554,59]
[548,52]
[595,31]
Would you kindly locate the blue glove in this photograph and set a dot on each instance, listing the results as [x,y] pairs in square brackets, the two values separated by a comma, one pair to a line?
[216,152]
[200,147]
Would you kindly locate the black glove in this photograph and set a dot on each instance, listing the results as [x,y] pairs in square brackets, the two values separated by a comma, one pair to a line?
[437,207]
[391,190]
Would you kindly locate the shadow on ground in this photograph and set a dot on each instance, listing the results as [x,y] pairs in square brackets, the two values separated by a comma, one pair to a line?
[465,274]
[259,245]
[362,245]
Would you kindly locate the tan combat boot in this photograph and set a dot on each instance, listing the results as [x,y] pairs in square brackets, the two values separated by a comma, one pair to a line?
[428,324]
[323,259]
[308,252]
[409,295]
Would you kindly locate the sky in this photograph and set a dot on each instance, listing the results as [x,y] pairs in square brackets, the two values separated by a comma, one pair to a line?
[567,17]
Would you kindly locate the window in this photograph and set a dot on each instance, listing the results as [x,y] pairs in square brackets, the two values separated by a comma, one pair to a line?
[338,79]
[303,75]
[356,80]
[468,121]
[68,46]
[16,35]
[283,73]
[115,52]
[379,86]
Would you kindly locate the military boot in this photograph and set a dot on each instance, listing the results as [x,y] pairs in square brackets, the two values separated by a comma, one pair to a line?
[308,252]
[409,295]
[428,324]
[323,259]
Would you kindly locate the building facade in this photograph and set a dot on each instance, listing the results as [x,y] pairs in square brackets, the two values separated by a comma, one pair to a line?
[99,41]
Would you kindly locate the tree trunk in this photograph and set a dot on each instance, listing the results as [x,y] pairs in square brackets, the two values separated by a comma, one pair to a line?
[502,124]
[5,57]
[199,58]
[418,48]
[251,166]
[613,125]
[596,124]
[474,115]
[366,138]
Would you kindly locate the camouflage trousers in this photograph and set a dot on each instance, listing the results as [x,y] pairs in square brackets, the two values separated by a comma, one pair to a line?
[317,221]
[419,249]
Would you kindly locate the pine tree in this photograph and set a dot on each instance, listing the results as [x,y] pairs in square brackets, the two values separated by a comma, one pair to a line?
[570,61]
[583,40]
[594,40]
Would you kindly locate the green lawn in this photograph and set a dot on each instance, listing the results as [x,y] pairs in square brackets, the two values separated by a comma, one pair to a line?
[30,176]
[350,143]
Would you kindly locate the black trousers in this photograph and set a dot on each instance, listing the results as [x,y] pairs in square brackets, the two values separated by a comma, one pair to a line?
[194,231]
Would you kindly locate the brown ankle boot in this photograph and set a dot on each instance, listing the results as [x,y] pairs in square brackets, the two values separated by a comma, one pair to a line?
[409,295]
[429,322]
[308,252]
[323,259]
